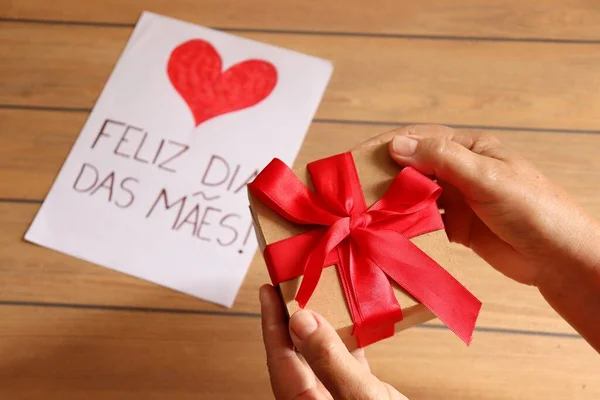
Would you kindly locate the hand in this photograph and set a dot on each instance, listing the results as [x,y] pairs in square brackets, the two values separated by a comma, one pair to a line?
[506,211]
[495,201]
[323,368]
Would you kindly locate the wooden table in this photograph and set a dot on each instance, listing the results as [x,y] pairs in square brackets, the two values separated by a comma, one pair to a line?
[528,71]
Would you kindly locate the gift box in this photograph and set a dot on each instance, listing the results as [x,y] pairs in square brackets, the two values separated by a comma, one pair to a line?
[361,241]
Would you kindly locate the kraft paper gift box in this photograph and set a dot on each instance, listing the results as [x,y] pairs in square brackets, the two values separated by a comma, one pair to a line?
[376,171]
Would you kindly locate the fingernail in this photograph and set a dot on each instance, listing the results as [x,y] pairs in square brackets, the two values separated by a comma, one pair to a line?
[404,146]
[302,324]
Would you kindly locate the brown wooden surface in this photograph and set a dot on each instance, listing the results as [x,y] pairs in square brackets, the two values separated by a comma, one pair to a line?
[537,85]
[536,19]
[70,329]
[100,354]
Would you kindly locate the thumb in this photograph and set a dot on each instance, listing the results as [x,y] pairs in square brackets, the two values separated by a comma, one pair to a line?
[330,360]
[449,161]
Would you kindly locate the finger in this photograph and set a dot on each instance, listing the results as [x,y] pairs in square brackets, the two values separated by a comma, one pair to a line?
[359,355]
[457,214]
[275,336]
[479,142]
[470,160]
[320,385]
[439,130]
[499,254]
[473,174]
[289,376]
[382,138]
[329,359]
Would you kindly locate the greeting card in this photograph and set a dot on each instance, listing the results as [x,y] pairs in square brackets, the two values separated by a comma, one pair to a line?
[155,185]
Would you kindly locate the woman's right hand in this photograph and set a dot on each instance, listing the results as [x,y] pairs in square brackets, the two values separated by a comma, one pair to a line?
[512,216]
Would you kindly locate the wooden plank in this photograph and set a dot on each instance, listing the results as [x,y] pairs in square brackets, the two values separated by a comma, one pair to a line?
[558,19]
[29,273]
[543,85]
[35,143]
[93,354]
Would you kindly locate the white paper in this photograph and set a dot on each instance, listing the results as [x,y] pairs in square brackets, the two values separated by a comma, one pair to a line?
[203,244]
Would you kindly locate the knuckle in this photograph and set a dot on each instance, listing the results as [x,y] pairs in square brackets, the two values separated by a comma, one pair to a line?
[411,129]
[490,146]
[384,138]
[325,356]
[486,143]
[275,357]
[439,152]
[436,146]
[487,137]
[271,328]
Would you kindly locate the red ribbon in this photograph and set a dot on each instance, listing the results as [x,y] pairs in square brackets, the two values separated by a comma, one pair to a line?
[370,246]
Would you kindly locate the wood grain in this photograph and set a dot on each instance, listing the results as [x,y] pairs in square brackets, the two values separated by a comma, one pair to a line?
[530,85]
[35,143]
[556,19]
[94,354]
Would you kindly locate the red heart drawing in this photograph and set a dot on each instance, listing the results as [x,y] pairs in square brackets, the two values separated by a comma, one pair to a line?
[194,69]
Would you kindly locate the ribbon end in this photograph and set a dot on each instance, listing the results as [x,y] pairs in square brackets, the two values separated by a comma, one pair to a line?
[303,295]
[467,328]
[301,304]
[468,339]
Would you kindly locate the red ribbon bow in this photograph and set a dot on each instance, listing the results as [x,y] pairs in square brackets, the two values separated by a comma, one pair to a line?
[369,245]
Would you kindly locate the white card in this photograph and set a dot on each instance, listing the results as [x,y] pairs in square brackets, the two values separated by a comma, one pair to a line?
[155,185]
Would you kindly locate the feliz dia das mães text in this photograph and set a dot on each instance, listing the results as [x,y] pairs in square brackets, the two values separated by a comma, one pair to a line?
[194,213]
